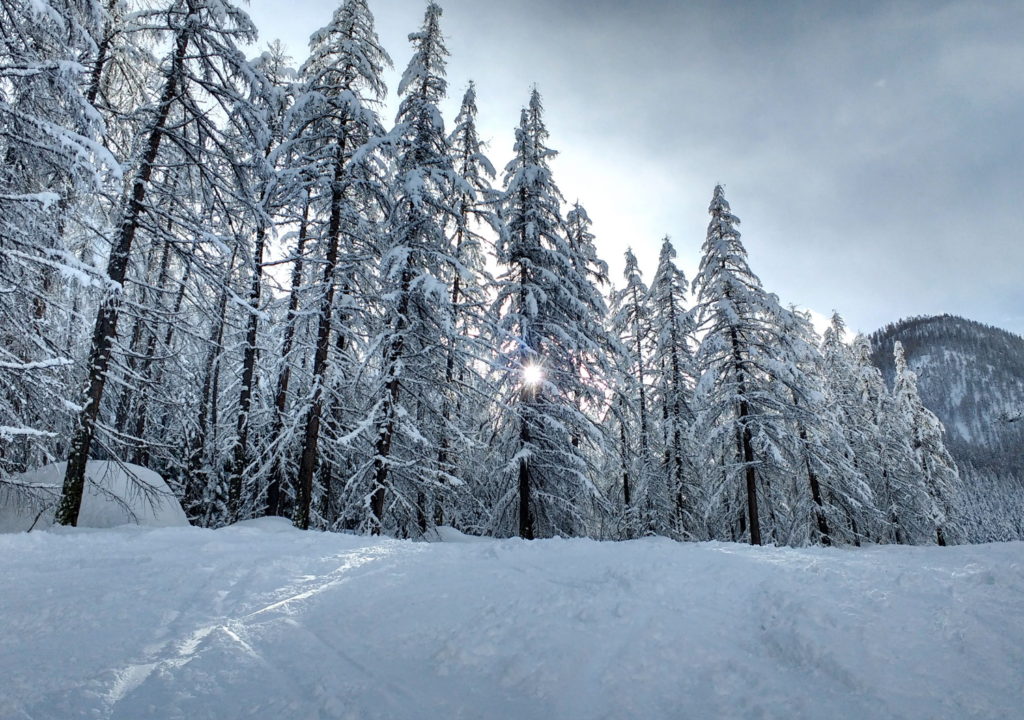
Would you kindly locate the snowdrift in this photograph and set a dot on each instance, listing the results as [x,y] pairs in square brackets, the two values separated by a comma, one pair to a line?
[263,621]
[115,494]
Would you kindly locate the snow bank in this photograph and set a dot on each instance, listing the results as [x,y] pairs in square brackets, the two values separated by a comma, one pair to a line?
[259,621]
[115,494]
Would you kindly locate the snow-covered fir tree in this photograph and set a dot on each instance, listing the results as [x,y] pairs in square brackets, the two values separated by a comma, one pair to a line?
[744,394]
[51,157]
[203,68]
[933,464]
[673,500]
[419,335]
[552,357]
[333,122]
[642,487]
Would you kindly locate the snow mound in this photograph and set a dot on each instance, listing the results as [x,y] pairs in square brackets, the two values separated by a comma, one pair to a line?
[258,620]
[115,494]
[448,534]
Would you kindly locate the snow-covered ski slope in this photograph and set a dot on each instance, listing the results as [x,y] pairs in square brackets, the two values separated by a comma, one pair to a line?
[261,621]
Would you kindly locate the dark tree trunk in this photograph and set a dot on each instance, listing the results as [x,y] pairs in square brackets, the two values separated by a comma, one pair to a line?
[746,443]
[820,512]
[311,436]
[525,514]
[277,477]
[386,429]
[812,479]
[240,455]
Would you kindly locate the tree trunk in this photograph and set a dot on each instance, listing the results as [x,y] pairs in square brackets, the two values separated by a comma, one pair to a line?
[141,414]
[240,454]
[386,430]
[525,515]
[746,444]
[277,477]
[197,476]
[311,436]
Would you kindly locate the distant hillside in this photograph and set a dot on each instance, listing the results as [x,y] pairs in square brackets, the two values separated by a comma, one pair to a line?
[971,376]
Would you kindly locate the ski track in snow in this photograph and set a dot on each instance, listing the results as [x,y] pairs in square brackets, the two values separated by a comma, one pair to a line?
[259,621]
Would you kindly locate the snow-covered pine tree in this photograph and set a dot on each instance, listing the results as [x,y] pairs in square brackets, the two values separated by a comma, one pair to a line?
[552,360]
[203,68]
[826,491]
[283,430]
[934,465]
[50,157]
[417,314]
[422,339]
[899,496]
[744,392]
[266,190]
[642,487]
[331,121]
[465,397]
[672,508]
[844,398]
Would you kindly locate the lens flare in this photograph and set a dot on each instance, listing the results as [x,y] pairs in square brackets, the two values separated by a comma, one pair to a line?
[533,374]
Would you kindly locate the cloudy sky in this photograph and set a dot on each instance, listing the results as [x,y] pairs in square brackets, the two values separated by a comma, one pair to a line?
[873,150]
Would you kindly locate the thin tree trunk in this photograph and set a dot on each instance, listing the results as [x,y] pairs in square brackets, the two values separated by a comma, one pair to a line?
[240,455]
[277,477]
[141,415]
[198,477]
[311,436]
[746,444]
[386,431]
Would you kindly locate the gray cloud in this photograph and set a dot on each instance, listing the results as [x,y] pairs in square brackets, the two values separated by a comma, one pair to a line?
[873,149]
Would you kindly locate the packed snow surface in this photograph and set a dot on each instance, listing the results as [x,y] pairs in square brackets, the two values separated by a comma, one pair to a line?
[115,494]
[263,621]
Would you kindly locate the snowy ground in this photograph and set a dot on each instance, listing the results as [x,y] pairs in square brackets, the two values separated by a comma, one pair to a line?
[260,621]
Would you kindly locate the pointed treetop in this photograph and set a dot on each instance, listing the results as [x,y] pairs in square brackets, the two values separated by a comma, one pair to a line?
[900,356]
[718,201]
[838,324]
[426,69]
[469,99]
[668,250]
[631,263]
[668,277]
[347,52]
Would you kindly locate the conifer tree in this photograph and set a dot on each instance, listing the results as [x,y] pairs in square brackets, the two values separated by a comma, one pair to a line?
[748,375]
[203,66]
[553,351]
[844,397]
[898,494]
[465,398]
[631,323]
[419,335]
[263,185]
[334,118]
[829,495]
[934,465]
[50,157]
[673,507]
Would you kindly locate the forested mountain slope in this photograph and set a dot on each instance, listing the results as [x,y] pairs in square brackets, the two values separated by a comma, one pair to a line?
[971,376]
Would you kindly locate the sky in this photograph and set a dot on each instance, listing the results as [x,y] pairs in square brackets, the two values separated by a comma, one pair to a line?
[874,151]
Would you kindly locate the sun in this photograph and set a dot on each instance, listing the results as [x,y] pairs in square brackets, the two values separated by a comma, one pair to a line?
[533,374]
